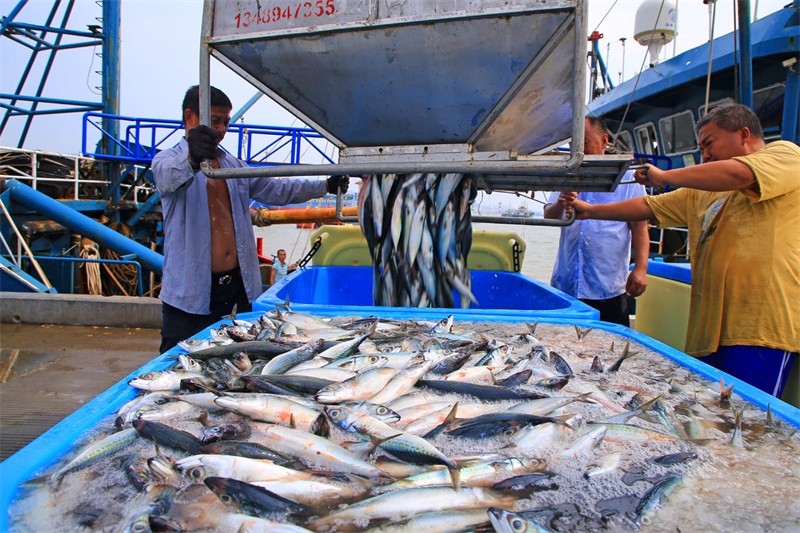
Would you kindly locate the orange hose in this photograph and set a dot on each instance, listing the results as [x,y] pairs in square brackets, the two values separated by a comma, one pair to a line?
[293,216]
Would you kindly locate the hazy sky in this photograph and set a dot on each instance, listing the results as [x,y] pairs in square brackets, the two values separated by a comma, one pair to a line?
[160,49]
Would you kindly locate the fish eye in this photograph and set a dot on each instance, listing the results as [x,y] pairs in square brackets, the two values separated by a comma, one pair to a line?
[148,375]
[517,524]
[197,472]
[334,412]
[508,432]
[373,359]
[225,498]
[140,526]
[646,520]
[382,410]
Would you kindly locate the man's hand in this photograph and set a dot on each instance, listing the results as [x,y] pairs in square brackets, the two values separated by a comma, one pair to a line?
[637,282]
[564,197]
[202,142]
[650,176]
[338,182]
[581,208]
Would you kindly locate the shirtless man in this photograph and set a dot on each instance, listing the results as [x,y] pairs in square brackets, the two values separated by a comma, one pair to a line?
[210,259]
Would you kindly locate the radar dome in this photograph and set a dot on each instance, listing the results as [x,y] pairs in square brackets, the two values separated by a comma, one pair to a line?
[655,25]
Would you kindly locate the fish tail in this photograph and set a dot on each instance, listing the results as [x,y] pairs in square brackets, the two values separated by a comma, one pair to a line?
[39,480]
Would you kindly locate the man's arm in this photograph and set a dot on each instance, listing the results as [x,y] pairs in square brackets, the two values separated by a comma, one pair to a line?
[729,175]
[557,209]
[640,242]
[271,275]
[626,211]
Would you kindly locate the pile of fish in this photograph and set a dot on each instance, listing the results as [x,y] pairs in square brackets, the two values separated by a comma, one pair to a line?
[419,232]
[289,423]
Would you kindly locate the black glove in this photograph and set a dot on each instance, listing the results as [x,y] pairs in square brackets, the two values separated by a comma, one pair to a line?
[338,182]
[202,142]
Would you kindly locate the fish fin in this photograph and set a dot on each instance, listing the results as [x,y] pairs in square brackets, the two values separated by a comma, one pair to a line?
[532,327]
[769,414]
[585,398]
[612,346]
[564,420]
[577,331]
[455,476]
[292,422]
[232,316]
[278,312]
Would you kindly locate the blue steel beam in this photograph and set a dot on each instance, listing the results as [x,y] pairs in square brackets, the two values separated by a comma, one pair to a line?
[111,27]
[24,112]
[791,104]
[55,210]
[746,64]
[46,100]
[47,28]
[32,58]
[144,208]
[51,58]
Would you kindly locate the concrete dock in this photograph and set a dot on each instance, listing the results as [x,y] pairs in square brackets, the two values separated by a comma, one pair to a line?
[47,372]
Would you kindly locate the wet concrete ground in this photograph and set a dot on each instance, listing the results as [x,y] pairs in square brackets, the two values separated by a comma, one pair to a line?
[47,372]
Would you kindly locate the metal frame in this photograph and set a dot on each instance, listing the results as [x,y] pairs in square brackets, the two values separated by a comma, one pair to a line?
[694,134]
[643,126]
[501,171]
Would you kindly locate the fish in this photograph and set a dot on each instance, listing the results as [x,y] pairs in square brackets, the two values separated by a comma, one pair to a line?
[227,431]
[271,408]
[581,332]
[603,465]
[358,388]
[402,445]
[252,450]
[164,435]
[437,522]
[402,382]
[286,361]
[484,392]
[585,444]
[481,474]
[497,424]
[251,499]
[163,380]
[91,454]
[412,502]
[315,450]
[507,522]
[653,499]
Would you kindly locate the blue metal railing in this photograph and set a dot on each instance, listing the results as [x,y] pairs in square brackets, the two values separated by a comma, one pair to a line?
[86,260]
[144,137]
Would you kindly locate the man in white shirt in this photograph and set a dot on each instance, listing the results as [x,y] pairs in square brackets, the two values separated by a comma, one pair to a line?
[593,259]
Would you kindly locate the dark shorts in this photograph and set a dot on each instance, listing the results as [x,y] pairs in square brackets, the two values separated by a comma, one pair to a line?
[615,310]
[763,368]
[227,290]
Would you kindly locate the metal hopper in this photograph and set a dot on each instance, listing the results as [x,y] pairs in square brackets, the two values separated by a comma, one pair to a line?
[471,86]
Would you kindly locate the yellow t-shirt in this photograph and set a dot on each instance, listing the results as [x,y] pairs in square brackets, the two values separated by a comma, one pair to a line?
[745,254]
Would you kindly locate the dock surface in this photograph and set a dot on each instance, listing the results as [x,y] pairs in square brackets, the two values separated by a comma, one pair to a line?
[47,372]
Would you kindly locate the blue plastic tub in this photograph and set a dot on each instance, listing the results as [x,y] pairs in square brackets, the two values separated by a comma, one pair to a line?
[348,290]
[37,457]
[676,271]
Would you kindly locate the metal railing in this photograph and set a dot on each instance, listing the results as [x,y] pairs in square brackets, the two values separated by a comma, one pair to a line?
[89,260]
[256,144]
[12,168]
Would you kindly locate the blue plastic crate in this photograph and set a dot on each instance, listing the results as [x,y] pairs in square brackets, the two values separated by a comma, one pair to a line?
[348,290]
[40,455]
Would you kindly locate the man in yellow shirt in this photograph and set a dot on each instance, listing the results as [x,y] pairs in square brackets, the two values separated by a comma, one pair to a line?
[742,209]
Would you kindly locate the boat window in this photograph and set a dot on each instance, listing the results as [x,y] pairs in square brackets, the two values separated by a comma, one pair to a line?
[678,134]
[701,111]
[646,139]
[624,142]
[768,105]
